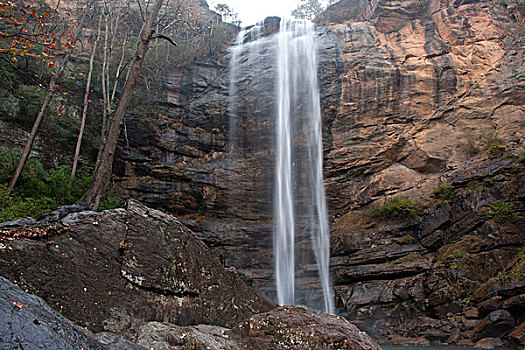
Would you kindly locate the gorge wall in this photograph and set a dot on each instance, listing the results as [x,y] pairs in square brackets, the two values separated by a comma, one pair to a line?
[412,91]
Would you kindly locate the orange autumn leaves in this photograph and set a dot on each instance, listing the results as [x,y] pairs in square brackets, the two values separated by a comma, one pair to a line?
[26,32]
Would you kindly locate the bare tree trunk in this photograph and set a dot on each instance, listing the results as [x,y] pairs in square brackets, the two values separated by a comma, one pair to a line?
[103,168]
[85,108]
[32,136]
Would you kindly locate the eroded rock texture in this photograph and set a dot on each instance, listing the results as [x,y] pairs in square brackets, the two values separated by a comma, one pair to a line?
[289,327]
[455,274]
[413,92]
[119,268]
[28,322]
[420,80]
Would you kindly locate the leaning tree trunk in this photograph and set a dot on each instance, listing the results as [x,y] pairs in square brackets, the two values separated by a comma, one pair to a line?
[103,168]
[32,136]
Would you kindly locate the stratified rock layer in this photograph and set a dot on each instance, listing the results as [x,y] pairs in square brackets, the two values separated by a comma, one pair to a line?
[422,81]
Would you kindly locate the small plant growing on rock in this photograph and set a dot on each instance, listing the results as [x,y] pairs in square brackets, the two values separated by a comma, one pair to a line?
[399,207]
[444,191]
[492,142]
[407,240]
[500,211]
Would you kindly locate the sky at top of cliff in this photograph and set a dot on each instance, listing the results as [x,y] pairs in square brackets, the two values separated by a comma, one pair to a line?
[252,11]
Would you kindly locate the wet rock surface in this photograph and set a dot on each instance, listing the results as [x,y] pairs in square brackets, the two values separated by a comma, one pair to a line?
[27,322]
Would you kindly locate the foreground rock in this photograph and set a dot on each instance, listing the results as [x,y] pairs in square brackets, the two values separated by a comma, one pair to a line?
[287,327]
[140,273]
[27,322]
[114,270]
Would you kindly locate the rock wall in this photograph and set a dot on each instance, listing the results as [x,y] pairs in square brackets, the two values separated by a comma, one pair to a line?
[413,93]
[420,79]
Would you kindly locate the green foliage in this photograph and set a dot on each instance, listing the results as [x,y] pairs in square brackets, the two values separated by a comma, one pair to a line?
[40,191]
[492,142]
[399,207]
[444,191]
[9,159]
[489,141]
[501,211]
[15,206]
[109,201]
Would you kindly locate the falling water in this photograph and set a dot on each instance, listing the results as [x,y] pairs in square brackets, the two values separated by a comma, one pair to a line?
[299,199]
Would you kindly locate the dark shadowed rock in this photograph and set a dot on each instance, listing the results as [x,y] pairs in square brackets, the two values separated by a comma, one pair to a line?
[14,224]
[28,322]
[519,334]
[496,324]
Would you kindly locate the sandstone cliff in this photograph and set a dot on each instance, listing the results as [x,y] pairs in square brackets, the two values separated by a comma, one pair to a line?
[413,93]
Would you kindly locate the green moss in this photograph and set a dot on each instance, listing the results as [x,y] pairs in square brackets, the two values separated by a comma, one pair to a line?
[399,207]
[444,191]
[406,240]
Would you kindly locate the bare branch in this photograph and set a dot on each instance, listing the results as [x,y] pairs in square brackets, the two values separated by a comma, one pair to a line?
[162,36]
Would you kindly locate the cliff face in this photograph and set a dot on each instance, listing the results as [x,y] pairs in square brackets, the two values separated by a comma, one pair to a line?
[413,93]
[421,79]
[430,91]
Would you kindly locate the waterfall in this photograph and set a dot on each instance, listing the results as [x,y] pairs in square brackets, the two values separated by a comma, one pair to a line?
[299,205]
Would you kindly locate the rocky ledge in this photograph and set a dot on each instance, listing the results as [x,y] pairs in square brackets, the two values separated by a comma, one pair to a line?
[140,274]
[454,274]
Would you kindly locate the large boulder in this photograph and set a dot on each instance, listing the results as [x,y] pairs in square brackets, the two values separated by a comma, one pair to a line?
[113,270]
[286,327]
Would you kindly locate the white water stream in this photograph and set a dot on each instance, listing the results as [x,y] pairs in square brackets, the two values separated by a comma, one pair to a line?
[299,197]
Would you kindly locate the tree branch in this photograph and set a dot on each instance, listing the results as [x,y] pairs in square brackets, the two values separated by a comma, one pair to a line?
[162,36]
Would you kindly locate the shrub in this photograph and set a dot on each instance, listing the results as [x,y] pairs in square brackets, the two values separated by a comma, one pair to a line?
[16,207]
[492,142]
[444,191]
[399,207]
[470,146]
[9,159]
[500,211]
